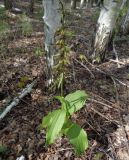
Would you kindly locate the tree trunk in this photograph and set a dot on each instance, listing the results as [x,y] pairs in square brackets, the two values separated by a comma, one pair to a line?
[73,4]
[52,20]
[82,3]
[31,8]
[105,26]
[8,4]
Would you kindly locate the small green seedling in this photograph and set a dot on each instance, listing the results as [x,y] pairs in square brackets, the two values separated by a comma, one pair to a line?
[59,122]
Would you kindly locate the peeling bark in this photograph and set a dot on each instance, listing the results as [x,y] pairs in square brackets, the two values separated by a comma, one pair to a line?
[106,24]
[52,20]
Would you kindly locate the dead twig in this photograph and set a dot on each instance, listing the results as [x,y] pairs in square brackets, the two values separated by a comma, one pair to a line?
[111,104]
[102,115]
[85,67]
[116,61]
[106,105]
[16,100]
[109,75]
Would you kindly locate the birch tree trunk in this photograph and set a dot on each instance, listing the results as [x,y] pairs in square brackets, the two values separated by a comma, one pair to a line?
[105,25]
[82,3]
[52,21]
[73,4]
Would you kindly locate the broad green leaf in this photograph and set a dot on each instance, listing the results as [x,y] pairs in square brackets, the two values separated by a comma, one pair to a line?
[56,125]
[64,103]
[61,99]
[47,120]
[78,138]
[76,100]
[67,124]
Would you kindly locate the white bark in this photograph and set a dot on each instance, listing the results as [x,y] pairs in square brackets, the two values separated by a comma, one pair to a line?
[82,3]
[106,24]
[52,20]
[73,4]
[16,100]
[21,158]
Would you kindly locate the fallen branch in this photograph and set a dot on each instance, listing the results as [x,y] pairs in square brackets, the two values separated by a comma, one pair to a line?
[105,117]
[85,67]
[106,105]
[101,71]
[115,61]
[110,75]
[16,100]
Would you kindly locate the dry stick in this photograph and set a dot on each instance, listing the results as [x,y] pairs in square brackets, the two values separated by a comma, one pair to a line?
[16,100]
[111,104]
[85,67]
[64,149]
[122,83]
[102,115]
[113,77]
[116,61]
[106,105]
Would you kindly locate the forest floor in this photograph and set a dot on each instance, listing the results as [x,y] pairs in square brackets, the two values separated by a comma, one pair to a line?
[22,59]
